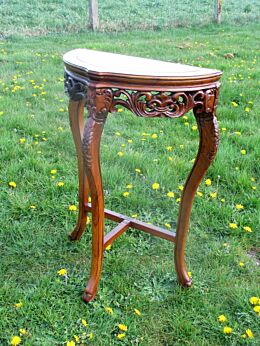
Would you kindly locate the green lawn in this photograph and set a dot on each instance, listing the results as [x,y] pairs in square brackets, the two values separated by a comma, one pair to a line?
[138,270]
[42,16]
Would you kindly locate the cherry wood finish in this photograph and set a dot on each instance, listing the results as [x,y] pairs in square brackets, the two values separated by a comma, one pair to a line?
[148,88]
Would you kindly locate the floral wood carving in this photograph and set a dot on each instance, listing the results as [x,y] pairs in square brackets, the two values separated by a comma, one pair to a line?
[142,103]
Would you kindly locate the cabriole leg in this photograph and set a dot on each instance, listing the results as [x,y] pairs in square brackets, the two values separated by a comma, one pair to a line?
[208,130]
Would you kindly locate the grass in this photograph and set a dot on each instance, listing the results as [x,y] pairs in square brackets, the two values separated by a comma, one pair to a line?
[138,270]
[39,17]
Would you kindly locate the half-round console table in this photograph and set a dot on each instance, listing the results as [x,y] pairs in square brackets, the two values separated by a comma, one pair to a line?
[149,88]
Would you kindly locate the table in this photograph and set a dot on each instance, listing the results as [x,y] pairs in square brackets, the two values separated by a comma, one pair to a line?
[149,88]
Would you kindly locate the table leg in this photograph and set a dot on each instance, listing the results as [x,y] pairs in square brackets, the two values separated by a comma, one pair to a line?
[208,130]
[91,148]
[76,116]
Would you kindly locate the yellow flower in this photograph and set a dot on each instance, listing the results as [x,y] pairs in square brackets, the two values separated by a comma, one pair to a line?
[84,322]
[61,109]
[223,200]
[170,194]
[254,300]
[222,318]
[155,186]
[238,133]
[224,129]
[186,123]
[178,200]
[1,113]
[154,135]
[194,127]
[169,148]
[120,154]
[167,225]
[76,337]
[53,171]
[239,206]
[138,170]
[249,333]
[199,193]
[247,229]
[16,340]
[62,272]
[129,186]
[22,140]
[190,275]
[12,184]
[22,331]
[213,194]
[241,264]
[118,133]
[233,225]
[32,207]
[18,305]
[72,207]
[134,216]
[90,336]
[70,343]
[247,109]
[120,110]
[121,336]
[109,310]
[108,247]
[122,327]
[208,182]
[138,313]
[180,187]
[126,194]
[243,152]
[227,330]
[234,104]
[60,183]
[257,308]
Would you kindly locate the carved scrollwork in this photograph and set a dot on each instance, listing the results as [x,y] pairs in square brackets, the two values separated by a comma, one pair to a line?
[75,89]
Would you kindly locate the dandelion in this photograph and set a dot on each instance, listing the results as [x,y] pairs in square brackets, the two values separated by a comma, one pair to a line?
[134,216]
[118,133]
[22,140]
[155,186]
[180,187]
[254,300]
[253,187]
[247,109]
[194,128]
[121,336]
[61,110]
[170,194]
[233,225]
[243,152]
[256,308]
[16,340]
[223,200]
[72,207]
[224,129]
[122,327]
[32,207]
[227,330]
[241,264]
[247,229]
[120,154]
[120,110]
[60,183]
[62,272]
[22,331]
[109,310]
[200,194]
[12,184]
[130,141]
[222,318]
[252,179]
[213,194]
[108,247]
[138,170]
[70,343]
[178,200]
[208,182]
[190,275]
[76,337]
[154,135]
[167,225]
[137,312]
[234,104]
[90,336]
[1,113]
[239,206]
[249,333]
[126,194]
[129,186]
[169,148]
[238,133]
[53,171]
[18,305]
[84,322]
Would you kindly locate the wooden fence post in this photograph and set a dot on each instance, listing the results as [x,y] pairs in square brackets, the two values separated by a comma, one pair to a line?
[93,14]
[218,11]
